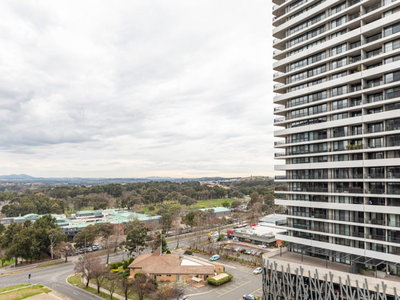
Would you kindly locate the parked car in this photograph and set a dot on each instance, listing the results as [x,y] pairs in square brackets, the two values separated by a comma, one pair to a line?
[257,270]
[249,252]
[258,252]
[215,257]
[238,249]
[263,246]
[249,297]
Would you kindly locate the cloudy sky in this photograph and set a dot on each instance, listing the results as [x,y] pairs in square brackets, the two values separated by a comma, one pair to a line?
[136,88]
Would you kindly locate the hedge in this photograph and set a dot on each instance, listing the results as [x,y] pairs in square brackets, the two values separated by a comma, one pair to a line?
[212,281]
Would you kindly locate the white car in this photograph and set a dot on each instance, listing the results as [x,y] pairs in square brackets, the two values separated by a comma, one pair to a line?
[257,271]
[263,246]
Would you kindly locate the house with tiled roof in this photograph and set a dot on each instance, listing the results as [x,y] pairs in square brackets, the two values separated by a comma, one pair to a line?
[164,267]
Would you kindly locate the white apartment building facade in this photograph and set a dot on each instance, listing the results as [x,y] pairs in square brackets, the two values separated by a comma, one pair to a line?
[337,91]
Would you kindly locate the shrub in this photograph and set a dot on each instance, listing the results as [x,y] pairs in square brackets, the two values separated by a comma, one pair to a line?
[188,252]
[118,264]
[126,264]
[113,266]
[212,281]
[168,252]
[362,271]
[114,270]
[131,260]
[220,237]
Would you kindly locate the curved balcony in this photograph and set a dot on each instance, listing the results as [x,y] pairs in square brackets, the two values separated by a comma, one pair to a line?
[279,120]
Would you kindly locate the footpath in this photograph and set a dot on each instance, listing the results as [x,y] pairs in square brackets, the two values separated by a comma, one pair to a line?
[11,268]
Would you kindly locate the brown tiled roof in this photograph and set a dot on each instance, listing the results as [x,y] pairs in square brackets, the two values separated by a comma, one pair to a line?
[167,264]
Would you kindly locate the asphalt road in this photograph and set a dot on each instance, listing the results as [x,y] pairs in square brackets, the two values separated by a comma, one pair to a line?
[243,282]
[55,278]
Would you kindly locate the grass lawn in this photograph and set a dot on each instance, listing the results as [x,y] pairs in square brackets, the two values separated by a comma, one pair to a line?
[13,287]
[6,262]
[11,293]
[76,280]
[212,203]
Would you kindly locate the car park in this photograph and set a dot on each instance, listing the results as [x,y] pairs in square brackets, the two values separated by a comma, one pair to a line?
[249,297]
[215,257]
[257,270]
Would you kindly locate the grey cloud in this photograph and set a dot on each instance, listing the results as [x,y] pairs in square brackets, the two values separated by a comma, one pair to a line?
[138,88]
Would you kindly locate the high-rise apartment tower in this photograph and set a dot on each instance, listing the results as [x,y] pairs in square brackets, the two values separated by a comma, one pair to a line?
[337,91]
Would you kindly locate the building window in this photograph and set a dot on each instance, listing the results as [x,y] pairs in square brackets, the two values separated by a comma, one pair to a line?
[392,77]
[392,29]
[340,90]
[393,45]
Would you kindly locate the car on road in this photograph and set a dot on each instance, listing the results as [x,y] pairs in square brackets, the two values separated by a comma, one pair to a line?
[249,297]
[215,257]
[257,270]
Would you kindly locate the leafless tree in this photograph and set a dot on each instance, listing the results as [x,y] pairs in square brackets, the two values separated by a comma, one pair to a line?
[125,285]
[143,285]
[220,222]
[99,273]
[168,293]
[86,266]
[112,282]
[65,248]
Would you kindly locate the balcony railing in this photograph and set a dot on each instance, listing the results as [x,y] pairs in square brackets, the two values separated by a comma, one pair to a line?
[358,220]
[281,177]
[279,120]
[357,234]
[377,237]
[276,41]
[279,108]
[277,74]
[279,143]
[280,154]
[278,85]
[394,239]
[281,189]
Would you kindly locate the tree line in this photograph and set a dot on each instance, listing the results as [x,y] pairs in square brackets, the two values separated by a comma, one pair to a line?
[64,199]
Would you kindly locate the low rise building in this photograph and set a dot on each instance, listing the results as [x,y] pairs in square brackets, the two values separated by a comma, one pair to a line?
[261,234]
[218,211]
[174,268]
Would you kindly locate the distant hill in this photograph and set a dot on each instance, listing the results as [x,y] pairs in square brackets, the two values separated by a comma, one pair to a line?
[23,178]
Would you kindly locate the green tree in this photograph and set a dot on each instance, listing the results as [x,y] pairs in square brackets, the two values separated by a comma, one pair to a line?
[2,228]
[225,204]
[106,230]
[167,218]
[136,237]
[87,236]
[190,218]
[56,209]
[56,237]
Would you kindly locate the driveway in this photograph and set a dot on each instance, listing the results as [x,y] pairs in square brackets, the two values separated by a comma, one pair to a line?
[243,282]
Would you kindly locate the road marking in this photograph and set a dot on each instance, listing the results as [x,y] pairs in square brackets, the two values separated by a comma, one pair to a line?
[236,287]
